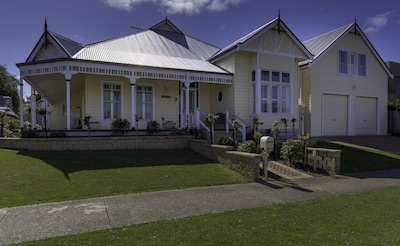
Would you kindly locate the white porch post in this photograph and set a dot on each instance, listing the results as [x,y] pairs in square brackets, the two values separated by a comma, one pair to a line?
[258,92]
[21,102]
[68,99]
[33,108]
[133,103]
[187,95]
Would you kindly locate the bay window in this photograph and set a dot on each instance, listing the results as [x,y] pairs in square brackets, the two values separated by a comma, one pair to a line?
[275,92]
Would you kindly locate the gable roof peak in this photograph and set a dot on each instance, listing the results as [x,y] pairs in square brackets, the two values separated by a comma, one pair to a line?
[165,25]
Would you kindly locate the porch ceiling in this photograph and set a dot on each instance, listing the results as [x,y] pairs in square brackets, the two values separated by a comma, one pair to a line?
[53,86]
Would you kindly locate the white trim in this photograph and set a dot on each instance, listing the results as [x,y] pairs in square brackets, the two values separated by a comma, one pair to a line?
[122,70]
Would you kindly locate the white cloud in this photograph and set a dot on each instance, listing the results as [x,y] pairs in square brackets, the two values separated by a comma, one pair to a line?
[376,22]
[189,7]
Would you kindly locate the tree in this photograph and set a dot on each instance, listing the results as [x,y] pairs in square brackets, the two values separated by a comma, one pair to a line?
[9,87]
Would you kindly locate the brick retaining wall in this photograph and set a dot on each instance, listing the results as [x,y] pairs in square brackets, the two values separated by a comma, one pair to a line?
[326,159]
[244,163]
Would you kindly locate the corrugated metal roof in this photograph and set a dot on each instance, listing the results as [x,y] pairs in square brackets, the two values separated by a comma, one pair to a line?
[319,44]
[154,48]
[243,39]
[70,46]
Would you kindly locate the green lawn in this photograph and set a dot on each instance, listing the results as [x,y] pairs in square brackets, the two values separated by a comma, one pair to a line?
[360,159]
[367,218]
[30,177]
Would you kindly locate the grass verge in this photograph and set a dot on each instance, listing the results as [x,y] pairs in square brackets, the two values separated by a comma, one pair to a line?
[362,159]
[30,177]
[367,218]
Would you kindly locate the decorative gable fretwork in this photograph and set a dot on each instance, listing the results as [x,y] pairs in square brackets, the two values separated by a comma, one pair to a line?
[133,73]
[276,43]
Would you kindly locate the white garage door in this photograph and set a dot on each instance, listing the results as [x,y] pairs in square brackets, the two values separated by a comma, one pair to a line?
[334,115]
[366,116]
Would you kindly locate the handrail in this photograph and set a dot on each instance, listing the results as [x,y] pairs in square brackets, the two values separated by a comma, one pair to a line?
[198,121]
[228,123]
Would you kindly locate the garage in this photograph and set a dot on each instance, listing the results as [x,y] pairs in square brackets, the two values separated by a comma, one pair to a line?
[334,115]
[366,115]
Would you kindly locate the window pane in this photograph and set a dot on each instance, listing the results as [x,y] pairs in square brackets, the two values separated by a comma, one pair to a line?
[284,93]
[274,92]
[275,76]
[107,110]
[286,77]
[362,65]
[284,107]
[274,106]
[264,91]
[264,106]
[265,75]
[343,62]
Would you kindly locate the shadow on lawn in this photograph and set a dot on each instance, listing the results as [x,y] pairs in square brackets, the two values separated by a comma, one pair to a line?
[73,161]
[356,159]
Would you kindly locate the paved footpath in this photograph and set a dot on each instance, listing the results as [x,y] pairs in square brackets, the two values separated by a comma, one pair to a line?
[18,224]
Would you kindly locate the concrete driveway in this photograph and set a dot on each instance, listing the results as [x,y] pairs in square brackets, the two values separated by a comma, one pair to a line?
[387,143]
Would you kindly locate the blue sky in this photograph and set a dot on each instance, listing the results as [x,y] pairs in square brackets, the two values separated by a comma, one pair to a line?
[218,22]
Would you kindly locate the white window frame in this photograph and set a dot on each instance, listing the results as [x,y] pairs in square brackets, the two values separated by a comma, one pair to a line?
[280,99]
[143,103]
[112,101]
[349,63]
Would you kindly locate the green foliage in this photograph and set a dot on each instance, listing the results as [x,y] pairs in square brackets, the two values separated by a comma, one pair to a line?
[249,146]
[227,141]
[29,131]
[293,150]
[198,133]
[153,127]
[212,119]
[275,129]
[9,87]
[120,126]
[394,105]
[177,132]
[8,125]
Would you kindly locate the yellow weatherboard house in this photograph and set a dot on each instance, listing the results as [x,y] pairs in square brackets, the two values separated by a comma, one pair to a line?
[334,84]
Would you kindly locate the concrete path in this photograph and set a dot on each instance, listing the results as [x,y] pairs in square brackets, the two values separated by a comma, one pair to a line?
[34,222]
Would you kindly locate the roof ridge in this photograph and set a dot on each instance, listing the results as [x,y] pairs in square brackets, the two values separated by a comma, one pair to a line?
[329,32]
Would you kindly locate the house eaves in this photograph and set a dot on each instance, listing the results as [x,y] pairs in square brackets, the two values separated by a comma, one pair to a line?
[242,42]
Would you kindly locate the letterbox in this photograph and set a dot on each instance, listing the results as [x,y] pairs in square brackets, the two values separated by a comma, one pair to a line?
[267,144]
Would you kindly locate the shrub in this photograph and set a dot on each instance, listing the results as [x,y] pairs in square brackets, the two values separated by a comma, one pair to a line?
[153,127]
[249,146]
[198,133]
[293,150]
[227,141]
[120,126]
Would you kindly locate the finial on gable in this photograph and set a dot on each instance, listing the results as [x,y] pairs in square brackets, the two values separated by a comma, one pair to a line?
[45,25]
[355,26]
[279,21]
